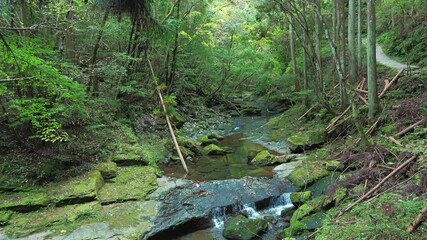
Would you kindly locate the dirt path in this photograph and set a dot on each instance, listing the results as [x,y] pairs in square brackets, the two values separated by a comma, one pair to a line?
[388,62]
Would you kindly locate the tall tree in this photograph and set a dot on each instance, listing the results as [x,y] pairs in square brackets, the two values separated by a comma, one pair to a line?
[318,26]
[372,61]
[293,56]
[359,35]
[351,41]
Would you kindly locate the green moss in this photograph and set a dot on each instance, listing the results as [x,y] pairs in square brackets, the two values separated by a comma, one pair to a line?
[132,183]
[54,219]
[263,158]
[308,174]
[295,228]
[333,165]
[127,154]
[205,140]
[309,207]
[189,144]
[83,189]
[215,136]
[299,198]
[24,201]
[242,228]
[5,217]
[305,140]
[213,149]
[108,170]
[340,195]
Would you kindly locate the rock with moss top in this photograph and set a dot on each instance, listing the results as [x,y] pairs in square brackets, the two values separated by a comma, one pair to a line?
[308,174]
[299,198]
[129,154]
[5,217]
[340,195]
[132,183]
[215,136]
[333,165]
[213,149]
[189,144]
[306,140]
[242,228]
[205,140]
[108,170]
[24,201]
[263,158]
[318,204]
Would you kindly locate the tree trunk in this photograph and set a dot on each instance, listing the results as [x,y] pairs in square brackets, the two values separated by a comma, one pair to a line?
[293,56]
[341,47]
[318,27]
[304,66]
[351,42]
[373,101]
[359,37]
[172,73]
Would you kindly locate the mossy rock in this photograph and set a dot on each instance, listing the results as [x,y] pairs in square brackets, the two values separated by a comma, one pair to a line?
[252,154]
[215,136]
[251,111]
[5,217]
[299,198]
[55,220]
[129,154]
[189,144]
[340,195]
[242,228]
[108,170]
[24,201]
[295,228]
[263,158]
[79,190]
[213,149]
[306,140]
[205,140]
[313,221]
[131,183]
[308,174]
[318,204]
[333,166]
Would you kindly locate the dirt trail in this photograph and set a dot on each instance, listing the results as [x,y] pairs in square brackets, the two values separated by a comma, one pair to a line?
[388,62]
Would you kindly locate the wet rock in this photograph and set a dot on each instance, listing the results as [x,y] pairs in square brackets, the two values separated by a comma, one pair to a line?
[299,198]
[193,203]
[165,184]
[283,170]
[306,140]
[242,228]
[287,213]
[5,217]
[251,111]
[108,170]
[213,149]
[333,166]
[252,154]
[189,144]
[205,140]
[132,183]
[308,174]
[263,158]
[313,221]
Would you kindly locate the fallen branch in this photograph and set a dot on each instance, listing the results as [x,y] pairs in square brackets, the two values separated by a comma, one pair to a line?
[386,87]
[372,128]
[178,149]
[308,111]
[404,131]
[363,99]
[361,199]
[418,220]
[331,125]
[361,91]
[395,141]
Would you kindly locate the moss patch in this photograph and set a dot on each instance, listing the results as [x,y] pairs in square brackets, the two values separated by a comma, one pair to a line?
[308,174]
[299,198]
[205,140]
[263,158]
[242,228]
[5,217]
[213,149]
[306,140]
[24,201]
[108,170]
[132,183]
[55,219]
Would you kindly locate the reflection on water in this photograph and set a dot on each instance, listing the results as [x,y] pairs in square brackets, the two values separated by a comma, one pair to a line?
[233,165]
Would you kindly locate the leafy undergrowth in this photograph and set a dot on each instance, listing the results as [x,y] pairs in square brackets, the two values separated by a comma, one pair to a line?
[385,217]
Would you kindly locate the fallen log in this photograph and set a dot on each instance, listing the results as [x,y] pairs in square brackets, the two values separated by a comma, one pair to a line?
[338,118]
[404,131]
[366,195]
[386,87]
[395,141]
[418,220]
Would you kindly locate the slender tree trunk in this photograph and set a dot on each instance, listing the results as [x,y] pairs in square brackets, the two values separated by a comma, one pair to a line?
[93,78]
[304,66]
[318,27]
[359,36]
[351,42]
[373,101]
[342,56]
[172,73]
[293,56]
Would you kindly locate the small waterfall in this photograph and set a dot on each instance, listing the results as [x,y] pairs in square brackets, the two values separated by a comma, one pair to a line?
[278,204]
[275,208]
[218,216]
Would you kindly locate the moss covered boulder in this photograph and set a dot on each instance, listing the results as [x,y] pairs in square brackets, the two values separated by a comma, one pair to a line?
[78,190]
[131,183]
[129,154]
[306,140]
[205,140]
[24,201]
[333,166]
[340,195]
[318,204]
[213,149]
[307,174]
[189,144]
[263,158]
[108,170]
[299,198]
[215,136]
[242,228]
[54,220]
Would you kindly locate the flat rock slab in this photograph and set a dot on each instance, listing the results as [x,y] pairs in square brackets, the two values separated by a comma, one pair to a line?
[283,170]
[193,203]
